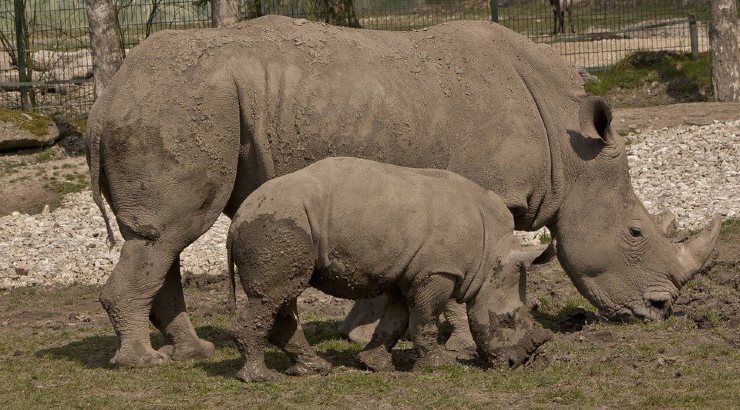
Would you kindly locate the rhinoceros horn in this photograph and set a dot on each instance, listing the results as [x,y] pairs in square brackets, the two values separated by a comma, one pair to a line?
[694,254]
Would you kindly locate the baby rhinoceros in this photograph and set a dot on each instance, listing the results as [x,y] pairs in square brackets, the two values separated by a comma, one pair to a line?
[354,229]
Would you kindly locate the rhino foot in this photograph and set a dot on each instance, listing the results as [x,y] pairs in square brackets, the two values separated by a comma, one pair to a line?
[461,345]
[435,358]
[376,360]
[196,349]
[139,356]
[258,374]
[310,365]
[518,354]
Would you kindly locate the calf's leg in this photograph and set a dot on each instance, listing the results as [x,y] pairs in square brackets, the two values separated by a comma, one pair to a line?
[460,341]
[288,335]
[376,355]
[427,298]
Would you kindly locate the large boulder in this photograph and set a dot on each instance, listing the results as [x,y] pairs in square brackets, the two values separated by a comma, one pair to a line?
[19,130]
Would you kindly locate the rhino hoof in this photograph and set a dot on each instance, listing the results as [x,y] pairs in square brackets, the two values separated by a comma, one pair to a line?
[309,366]
[376,360]
[198,349]
[147,357]
[258,375]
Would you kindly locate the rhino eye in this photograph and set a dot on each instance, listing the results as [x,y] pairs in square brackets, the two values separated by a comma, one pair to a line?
[636,232]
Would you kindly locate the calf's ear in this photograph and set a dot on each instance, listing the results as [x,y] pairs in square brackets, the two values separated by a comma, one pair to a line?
[595,118]
[533,255]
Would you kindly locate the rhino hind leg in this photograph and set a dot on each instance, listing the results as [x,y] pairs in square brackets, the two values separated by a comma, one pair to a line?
[169,315]
[427,300]
[376,355]
[359,325]
[127,300]
[251,329]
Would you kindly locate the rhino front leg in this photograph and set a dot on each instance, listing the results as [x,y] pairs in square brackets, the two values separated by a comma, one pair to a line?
[427,299]
[170,316]
[460,341]
[376,356]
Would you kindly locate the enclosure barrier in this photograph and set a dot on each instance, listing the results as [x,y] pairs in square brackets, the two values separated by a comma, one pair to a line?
[45,61]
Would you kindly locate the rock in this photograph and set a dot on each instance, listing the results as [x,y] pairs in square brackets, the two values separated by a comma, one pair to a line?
[22,130]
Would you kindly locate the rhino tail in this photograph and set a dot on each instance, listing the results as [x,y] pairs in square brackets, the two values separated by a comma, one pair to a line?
[232,274]
[95,182]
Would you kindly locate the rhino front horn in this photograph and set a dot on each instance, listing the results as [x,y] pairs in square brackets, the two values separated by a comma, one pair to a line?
[695,253]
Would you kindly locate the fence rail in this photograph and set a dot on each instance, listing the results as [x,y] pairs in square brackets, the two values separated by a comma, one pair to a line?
[56,75]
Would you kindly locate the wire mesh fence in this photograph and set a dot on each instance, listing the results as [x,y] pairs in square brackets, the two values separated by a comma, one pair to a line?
[57,68]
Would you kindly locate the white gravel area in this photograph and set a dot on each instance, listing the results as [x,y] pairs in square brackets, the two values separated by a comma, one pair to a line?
[692,170]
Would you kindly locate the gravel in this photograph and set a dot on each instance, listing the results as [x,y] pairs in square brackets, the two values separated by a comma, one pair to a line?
[692,170]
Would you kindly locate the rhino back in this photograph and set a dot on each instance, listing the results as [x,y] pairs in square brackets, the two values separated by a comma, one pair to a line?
[458,96]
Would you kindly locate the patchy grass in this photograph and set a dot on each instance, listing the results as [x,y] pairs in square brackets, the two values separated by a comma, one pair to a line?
[70,183]
[51,365]
[730,224]
[672,76]
[55,345]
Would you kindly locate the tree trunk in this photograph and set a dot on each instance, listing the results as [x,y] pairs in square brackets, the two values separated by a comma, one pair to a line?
[105,41]
[723,32]
[225,12]
[341,13]
[254,9]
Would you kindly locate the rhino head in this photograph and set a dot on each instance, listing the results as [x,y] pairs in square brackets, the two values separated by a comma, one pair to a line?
[615,253]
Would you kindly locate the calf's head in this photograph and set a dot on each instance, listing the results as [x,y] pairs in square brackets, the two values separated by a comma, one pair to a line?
[615,253]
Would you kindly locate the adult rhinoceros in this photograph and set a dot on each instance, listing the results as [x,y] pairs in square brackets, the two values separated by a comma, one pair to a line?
[196,120]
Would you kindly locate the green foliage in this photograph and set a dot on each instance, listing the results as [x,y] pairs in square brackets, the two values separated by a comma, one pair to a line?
[545,238]
[681,73]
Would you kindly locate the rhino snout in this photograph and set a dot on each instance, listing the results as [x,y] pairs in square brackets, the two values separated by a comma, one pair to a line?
[657,306]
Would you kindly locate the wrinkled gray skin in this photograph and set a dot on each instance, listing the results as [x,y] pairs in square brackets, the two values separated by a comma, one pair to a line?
[195,120]
[355,228]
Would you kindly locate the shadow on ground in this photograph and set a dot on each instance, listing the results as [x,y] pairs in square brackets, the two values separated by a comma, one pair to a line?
[92,351]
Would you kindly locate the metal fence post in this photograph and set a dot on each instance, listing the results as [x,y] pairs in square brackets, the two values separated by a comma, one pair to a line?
[494,11]
[694,34]
[20,42]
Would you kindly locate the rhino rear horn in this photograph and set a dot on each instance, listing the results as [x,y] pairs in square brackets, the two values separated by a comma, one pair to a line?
[666,222]
[695,253]
[595,117]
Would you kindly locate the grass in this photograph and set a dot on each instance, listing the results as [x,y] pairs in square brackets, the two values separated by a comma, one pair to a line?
[730,224]
[51,368]
[682,74]
[71,183]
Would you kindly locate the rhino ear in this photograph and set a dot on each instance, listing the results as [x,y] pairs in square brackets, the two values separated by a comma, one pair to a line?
[533,255]
[595,117]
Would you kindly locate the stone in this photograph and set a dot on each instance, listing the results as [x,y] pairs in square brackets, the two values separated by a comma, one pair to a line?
[21,130]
